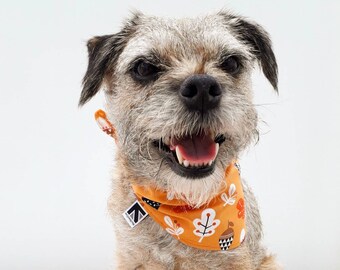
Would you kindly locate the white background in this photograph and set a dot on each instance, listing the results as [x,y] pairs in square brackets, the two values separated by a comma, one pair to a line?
[55,162]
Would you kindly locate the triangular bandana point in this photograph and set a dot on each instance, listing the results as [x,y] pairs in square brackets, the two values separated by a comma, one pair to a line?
[220,225]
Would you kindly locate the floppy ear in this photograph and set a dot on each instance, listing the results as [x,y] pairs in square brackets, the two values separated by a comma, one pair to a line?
[258,39]
[103,52]
[100,50]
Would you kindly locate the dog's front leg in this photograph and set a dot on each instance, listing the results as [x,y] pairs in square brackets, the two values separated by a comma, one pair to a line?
[139,261]
[269,263]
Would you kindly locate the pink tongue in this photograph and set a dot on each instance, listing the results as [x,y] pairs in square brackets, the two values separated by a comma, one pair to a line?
[198,148]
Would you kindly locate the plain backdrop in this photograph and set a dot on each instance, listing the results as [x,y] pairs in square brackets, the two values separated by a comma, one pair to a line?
[55,162]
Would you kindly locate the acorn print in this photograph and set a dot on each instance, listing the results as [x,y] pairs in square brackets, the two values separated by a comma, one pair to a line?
[227,237]
[152,203]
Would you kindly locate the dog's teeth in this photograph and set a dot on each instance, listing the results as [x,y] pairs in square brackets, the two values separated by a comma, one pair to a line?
[217,148]
[166,141]
[186,163]
[179,155]
[210,162]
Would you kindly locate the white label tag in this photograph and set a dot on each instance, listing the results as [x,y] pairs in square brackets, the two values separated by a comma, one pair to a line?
[135,214]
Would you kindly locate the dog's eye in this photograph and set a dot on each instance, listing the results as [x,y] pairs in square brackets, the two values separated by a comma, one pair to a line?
[145,71]
[231,65]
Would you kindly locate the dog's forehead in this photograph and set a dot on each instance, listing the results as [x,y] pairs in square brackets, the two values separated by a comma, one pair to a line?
[182,38]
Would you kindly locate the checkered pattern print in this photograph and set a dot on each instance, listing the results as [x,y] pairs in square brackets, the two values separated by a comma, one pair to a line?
[225,243]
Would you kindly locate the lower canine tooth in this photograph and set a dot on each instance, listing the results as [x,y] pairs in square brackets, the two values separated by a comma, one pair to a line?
[179,155]
[210,162]
[217,146]
[186,163]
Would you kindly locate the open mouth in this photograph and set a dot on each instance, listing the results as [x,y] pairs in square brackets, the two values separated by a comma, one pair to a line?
[191,156]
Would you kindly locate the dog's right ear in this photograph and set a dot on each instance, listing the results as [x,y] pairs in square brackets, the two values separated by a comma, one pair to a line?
[103,53]
[100,50]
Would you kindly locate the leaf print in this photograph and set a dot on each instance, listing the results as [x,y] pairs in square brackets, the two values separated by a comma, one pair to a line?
[232,190]
[175,232]
[206,225]
[240,207]
[232,195]
[175,227]
[168,221]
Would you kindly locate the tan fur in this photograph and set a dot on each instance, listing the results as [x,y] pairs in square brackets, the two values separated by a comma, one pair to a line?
[269,263]
[144,113]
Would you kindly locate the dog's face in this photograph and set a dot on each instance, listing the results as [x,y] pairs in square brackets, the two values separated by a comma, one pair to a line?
[179,94]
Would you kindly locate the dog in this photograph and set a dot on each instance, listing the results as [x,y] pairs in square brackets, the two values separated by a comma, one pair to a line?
[178,94]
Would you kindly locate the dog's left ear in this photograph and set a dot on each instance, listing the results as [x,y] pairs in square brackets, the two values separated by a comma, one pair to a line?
[258,39]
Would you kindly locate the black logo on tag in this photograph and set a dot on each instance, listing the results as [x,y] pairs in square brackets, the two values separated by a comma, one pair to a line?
[135,214]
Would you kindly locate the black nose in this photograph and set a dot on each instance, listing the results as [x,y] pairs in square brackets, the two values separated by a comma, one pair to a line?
[200,92]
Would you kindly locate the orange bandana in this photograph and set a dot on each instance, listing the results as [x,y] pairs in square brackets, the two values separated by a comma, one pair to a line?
[218,225]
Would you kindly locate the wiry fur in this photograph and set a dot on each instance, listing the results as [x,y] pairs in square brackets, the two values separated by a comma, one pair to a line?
[142,113]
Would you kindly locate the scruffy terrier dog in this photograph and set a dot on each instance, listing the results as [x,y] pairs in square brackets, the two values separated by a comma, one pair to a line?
[178,93]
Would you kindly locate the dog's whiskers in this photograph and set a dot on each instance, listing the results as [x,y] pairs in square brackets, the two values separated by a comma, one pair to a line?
[159,168]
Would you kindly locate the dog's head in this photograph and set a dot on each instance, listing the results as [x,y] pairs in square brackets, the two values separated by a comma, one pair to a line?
[179,94]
